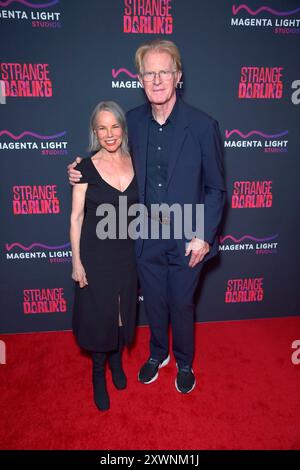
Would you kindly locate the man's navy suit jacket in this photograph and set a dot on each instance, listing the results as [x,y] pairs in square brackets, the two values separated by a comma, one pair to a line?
[195,168]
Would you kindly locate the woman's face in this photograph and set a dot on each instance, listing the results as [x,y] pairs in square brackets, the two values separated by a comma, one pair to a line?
[108,131]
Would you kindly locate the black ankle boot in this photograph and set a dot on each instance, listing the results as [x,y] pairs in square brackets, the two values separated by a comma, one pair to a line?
[101,396]
[117,372]
[115,364]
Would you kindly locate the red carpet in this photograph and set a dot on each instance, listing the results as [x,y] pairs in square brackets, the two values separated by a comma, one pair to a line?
[247,395]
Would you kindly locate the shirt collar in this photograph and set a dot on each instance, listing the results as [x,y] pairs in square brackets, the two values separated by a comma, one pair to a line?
[171,118]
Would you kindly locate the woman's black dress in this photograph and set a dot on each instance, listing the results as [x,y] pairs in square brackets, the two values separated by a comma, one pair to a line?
[110,269]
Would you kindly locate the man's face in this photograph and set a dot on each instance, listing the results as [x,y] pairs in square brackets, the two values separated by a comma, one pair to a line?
[160,90]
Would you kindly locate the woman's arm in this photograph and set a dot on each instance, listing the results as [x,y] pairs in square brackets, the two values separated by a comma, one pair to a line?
[77,215]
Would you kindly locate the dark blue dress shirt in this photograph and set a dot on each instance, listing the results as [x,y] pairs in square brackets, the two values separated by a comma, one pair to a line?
[160,139]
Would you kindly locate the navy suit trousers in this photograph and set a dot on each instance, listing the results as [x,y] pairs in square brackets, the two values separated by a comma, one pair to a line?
[168,287]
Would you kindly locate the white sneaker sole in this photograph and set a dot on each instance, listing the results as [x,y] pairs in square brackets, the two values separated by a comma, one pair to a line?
[163,364]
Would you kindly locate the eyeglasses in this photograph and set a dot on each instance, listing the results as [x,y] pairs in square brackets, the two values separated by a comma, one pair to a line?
[163,75]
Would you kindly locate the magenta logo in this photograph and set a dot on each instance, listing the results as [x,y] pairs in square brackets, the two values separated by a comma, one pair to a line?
[249,243]
[30,4]
[115,73]
[124,78]
[36,14]
[276,142]
[277,21]
[228,134]
[11,246]
[246,237]
[39,251]
[33,134]
[28,140]
[237,9]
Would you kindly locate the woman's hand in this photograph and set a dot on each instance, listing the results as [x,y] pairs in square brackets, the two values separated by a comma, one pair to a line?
[79,275]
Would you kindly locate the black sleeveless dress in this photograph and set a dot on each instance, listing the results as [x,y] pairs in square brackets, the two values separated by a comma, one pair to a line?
[110,269]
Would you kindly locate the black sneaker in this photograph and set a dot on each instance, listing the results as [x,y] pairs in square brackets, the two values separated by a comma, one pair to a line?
[185,381]
[149,371]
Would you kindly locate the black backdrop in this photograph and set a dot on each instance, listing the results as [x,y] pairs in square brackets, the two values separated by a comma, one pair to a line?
[87,58]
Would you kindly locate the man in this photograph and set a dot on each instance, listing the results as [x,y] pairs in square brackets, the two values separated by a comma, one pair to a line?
[177,155]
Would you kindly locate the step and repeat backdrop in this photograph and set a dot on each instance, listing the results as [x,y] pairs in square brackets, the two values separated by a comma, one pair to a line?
[59,58]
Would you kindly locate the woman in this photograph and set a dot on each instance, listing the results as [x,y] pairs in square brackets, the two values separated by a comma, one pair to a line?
[104,269]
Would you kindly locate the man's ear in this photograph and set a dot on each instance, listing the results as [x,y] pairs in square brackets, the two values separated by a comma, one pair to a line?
[179,75]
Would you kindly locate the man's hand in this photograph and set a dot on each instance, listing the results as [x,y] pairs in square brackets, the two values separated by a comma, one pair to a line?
[199,249]
[74,175]
[79,275]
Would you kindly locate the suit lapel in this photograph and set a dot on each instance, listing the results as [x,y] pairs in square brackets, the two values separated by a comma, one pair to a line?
[180,133]
[141,157]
